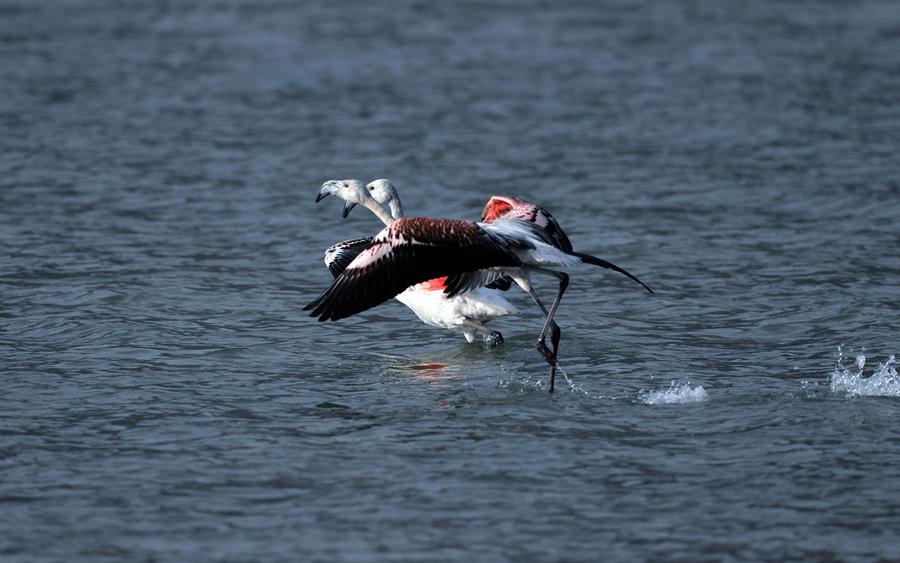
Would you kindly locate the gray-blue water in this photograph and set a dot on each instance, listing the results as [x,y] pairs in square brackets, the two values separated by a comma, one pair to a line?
[163,397]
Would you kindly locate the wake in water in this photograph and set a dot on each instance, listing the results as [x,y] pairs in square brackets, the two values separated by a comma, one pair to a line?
[676,394]
[882,382]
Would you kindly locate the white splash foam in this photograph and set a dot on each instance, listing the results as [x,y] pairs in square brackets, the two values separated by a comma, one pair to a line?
[883,382]
[676,394]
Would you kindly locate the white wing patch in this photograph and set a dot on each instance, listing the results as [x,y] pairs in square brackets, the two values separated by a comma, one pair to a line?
[333,253]
[339,255]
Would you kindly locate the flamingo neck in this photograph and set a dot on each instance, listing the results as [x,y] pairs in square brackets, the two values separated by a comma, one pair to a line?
[380,212]
[388,213]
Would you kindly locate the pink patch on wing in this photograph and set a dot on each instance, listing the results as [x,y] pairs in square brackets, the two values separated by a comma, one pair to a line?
[505,207]
[437,284]
[495,207]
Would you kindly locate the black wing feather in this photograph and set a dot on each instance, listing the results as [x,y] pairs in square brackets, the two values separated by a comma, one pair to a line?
[609,265]
[558,237]
[469,281]
[503,284]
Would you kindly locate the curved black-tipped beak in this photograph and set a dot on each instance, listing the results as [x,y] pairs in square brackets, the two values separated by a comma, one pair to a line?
[348,207]
[327,189]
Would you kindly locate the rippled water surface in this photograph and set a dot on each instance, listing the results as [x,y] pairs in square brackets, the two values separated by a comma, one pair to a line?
[165,398]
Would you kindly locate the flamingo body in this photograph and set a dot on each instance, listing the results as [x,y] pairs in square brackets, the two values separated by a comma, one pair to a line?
[468,312]
[433,307]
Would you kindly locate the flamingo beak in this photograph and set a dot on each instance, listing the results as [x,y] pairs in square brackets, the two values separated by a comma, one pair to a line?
[348,207]
[328,188]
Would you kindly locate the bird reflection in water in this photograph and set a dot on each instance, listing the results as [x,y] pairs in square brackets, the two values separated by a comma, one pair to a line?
[431,372]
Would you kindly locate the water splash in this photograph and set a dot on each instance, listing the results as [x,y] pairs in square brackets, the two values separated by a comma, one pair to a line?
[540,382]
[676,394]
[574,387]
[852,381]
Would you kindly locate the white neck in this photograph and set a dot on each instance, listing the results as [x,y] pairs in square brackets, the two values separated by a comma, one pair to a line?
[380,212]
[387,213]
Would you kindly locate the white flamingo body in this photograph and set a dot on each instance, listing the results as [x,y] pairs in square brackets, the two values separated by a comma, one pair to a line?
[457,313]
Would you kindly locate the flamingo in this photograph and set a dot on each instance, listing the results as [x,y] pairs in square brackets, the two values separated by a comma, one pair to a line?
[515,238]
[467,312]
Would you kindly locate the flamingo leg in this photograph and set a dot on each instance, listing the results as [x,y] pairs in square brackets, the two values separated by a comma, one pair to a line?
[554,340]
[563,284]
[549,354]
[551,324]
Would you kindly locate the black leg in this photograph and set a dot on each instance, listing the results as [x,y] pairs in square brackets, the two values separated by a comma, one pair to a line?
[554,341]
[563,284]
[550,324]
[548,354]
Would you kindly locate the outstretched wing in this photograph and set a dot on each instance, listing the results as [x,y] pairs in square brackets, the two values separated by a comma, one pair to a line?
[410,251]
[339,256]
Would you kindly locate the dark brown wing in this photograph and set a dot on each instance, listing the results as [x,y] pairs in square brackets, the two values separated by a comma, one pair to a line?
[410,251]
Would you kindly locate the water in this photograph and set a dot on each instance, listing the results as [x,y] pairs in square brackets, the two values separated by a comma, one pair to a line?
[165,398]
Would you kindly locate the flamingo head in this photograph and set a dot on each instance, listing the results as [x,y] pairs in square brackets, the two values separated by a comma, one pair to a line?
[384,192]
[351,191]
